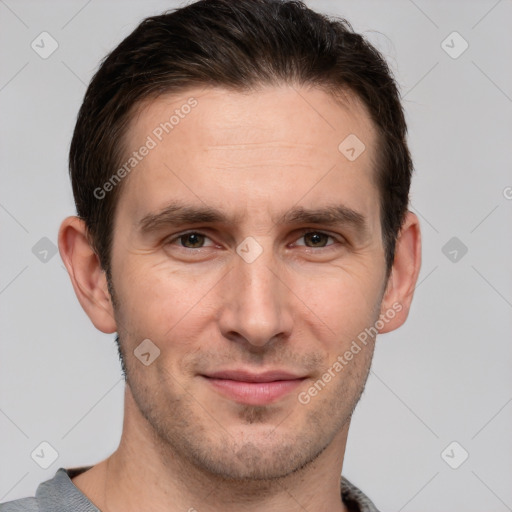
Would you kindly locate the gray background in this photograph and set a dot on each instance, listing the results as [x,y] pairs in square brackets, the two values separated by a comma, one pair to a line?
[445,376]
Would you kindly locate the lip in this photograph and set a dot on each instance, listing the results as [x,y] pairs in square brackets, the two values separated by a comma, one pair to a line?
[254,388]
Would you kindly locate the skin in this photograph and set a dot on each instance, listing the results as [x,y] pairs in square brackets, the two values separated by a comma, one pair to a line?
[296,307]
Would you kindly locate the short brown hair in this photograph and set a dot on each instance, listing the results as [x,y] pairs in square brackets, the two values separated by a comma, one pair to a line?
[238,45]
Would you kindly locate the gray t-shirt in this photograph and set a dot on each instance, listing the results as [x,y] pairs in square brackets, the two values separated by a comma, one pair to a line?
[60,494]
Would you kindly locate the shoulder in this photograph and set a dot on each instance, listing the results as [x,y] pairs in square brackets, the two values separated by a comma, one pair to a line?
[58,494]
[21,505]
[354,498]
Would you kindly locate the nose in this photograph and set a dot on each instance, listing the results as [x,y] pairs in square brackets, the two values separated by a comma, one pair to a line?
[256,302]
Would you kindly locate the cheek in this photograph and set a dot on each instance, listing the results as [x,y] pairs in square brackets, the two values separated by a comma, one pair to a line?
[156,302]
[343,303]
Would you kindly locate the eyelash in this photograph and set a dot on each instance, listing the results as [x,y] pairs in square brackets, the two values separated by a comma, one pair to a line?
[302,234]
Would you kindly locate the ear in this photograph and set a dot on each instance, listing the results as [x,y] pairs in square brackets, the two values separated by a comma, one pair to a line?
[87,276]
[404,274]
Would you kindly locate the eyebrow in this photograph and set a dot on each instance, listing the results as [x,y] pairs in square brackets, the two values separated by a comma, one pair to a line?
[177,213]
[331,215]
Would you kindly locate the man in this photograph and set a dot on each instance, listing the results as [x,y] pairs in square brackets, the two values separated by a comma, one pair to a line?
[241,176]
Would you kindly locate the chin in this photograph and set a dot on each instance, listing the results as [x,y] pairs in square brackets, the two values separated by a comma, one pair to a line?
[255,454]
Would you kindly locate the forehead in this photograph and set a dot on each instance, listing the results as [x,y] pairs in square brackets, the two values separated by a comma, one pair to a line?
[268,114]
[229,147]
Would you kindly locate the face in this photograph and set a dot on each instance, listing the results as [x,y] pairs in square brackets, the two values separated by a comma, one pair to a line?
[247,248]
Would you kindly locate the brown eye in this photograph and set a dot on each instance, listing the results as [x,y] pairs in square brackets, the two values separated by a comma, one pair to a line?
[316,239]
[192,240]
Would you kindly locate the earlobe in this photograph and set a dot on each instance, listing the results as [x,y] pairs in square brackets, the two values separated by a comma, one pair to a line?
[399,292]
[87,276]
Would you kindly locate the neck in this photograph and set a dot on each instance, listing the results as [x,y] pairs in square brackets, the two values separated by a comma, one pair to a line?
[145,473]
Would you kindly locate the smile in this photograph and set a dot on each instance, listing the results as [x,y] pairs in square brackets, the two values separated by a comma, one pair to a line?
[254,389]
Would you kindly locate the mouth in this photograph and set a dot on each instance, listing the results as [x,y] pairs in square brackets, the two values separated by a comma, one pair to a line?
[254,388]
